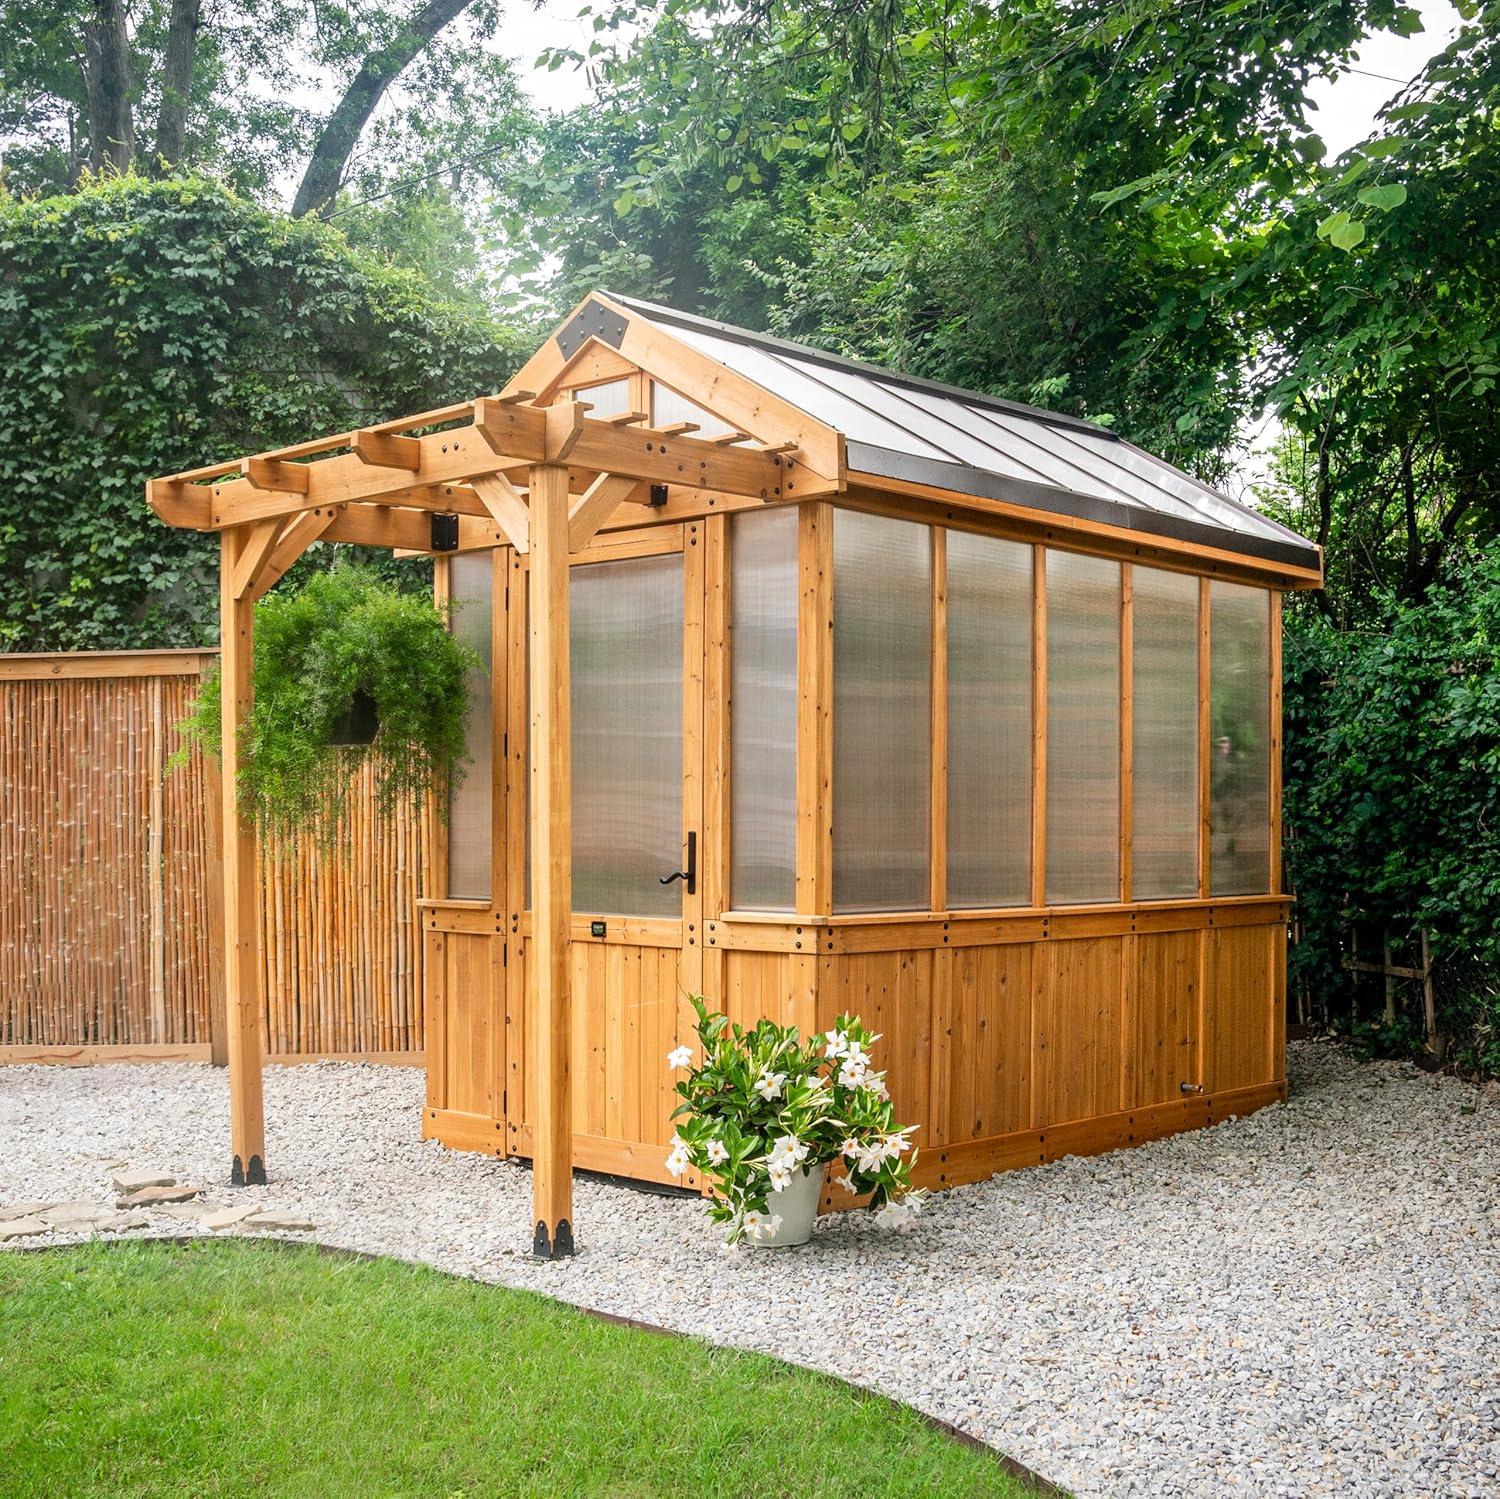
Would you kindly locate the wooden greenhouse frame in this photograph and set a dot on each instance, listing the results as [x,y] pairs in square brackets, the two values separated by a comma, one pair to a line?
[1017,1031]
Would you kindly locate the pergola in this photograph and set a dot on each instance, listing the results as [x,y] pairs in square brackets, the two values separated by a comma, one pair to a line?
[534,470]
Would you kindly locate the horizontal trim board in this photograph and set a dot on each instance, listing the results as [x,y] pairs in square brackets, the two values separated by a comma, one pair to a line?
[96,1056]
[959,929]
[959,478]
[47,666]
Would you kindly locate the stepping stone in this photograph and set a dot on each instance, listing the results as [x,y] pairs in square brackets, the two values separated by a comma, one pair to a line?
[228,1217]
[192,1212]
[132,1181]
[119,1222]
[81,1214]
[22,1210]
[21,1228]
[150,1196]
[278,1223]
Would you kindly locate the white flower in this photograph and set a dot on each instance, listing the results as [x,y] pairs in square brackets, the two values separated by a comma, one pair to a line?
[759,1224]
[852,1071]
[846,1184]
[788,1151]
[874,1082]
[898,1216]
[850,1148]
[678,1160]
[781,1177]
[838,1044]
[717,1154]
[768,1085]
[680,1056]
[893,1145]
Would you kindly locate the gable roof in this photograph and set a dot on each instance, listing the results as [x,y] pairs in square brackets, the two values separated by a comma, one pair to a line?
[901,428]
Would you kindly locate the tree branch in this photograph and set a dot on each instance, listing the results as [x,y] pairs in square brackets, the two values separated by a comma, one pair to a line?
[341,133]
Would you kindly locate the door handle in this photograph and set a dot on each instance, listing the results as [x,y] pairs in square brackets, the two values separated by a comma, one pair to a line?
[688,876]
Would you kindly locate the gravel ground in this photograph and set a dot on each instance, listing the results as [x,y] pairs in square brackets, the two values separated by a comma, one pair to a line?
[1305,1301]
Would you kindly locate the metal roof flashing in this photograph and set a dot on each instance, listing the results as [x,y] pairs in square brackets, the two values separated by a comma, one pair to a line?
[899,426]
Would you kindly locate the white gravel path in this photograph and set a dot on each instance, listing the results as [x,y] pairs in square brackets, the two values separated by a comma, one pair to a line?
[1306,1301]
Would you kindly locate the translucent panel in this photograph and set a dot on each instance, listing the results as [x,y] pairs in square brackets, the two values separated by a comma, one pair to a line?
[626,660]
[1083,729]
[882,704]
[989,721]
[471,588]
[763,710]
[608,399]
[1239,777]
[1164,737]
[667,407]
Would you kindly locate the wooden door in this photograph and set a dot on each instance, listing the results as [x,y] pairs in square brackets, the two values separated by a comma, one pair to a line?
[636,655]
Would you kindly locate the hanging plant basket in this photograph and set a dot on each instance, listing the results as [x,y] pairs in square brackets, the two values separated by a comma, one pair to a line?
[348,672]
[358,724]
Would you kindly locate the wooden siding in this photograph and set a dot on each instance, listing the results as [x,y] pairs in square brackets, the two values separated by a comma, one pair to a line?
[108,884]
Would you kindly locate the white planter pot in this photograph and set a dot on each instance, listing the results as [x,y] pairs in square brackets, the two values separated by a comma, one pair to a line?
[797,1207]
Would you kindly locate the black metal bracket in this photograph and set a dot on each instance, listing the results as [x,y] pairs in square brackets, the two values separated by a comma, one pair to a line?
[444,533]
[592,320]
[558,1246]
[255,1176]
[658,496]
[688,876]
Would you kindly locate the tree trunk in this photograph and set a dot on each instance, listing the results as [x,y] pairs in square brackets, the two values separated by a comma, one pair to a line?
[176,86]
[106,71]
[341,133]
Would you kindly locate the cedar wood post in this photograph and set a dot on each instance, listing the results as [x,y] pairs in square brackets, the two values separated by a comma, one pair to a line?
[241,959]
[551,862]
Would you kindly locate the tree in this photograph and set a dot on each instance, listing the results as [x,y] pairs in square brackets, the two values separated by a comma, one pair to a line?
[151,327]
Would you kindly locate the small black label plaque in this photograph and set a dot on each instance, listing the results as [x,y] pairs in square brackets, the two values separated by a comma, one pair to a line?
[598,928]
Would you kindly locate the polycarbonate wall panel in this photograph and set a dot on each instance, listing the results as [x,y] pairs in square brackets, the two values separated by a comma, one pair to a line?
[989,721]
[472,590]
[763,710]
[1083,729]
[882,704]
[1239,665]
[626,662]
[668,407]
[608,399]
[1164,734]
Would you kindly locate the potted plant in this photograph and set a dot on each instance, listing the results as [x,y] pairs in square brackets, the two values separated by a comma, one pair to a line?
[764,1112]
[347,670]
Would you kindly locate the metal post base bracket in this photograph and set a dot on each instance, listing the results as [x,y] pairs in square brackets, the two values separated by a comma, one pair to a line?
[558,1246]
[254,1176]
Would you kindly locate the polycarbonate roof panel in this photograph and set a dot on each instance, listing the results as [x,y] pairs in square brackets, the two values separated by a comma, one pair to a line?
[903,428]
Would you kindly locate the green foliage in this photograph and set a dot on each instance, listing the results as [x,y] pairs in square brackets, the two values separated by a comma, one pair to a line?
[1393,794]
[152,327]
[343,632]
[276,1369]
[763,1105]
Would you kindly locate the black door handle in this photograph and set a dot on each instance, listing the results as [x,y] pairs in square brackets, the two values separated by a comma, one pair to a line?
[688,876]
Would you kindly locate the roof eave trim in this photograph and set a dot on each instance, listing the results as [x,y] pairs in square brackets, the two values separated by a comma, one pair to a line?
[887,463]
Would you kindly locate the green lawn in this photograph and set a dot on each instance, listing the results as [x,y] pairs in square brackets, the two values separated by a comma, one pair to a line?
[240,1368]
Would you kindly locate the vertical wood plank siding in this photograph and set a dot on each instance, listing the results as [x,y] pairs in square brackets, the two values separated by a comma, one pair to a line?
[106,870]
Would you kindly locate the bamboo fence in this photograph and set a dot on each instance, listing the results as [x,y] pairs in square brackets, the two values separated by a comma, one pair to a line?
[110,907]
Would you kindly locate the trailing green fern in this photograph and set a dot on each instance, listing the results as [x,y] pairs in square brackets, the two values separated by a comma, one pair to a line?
[342,632]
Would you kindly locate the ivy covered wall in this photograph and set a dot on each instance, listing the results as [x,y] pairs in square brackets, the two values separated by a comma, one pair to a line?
[148,327]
